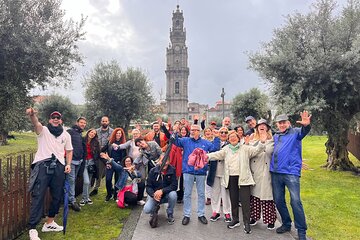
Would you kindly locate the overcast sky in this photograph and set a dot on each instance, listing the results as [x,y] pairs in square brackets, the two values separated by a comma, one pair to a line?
[219,33]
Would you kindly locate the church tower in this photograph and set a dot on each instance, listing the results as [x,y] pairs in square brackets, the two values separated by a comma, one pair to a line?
[177,71]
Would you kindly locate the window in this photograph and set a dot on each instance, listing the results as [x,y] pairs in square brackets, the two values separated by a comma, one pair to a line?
[177,88]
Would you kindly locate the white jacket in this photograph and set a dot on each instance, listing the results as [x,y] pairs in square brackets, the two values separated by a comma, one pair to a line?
[243,154]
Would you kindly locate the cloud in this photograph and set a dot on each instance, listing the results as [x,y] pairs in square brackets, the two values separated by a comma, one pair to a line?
[219,33]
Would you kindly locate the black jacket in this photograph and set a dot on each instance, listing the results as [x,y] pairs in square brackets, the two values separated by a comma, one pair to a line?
[79,147]
[167,182]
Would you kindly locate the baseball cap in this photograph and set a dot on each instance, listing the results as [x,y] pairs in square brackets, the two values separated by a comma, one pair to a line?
[212,123]
[55,113]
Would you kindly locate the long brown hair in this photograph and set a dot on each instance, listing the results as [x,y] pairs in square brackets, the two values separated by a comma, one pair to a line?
[113,136]
[94,142]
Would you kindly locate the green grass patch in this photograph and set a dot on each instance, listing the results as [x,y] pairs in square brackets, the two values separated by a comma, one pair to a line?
[101,220]
[23,143]
[331,199]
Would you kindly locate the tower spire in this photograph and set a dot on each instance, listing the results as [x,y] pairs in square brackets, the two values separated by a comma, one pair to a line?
[177,71]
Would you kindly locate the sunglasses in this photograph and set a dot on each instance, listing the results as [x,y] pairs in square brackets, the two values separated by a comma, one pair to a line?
[224,132]
[194,130]
[56,117]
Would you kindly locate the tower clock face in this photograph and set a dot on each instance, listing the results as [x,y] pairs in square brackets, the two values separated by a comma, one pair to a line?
[177,48]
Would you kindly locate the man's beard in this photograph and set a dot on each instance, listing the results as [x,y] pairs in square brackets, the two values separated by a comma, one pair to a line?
[104,125]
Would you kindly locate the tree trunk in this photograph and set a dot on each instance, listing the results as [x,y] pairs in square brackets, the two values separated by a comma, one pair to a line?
[3,137]
[338,156]
[126,129]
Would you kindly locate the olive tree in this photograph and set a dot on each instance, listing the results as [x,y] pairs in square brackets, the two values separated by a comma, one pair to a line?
[313,62]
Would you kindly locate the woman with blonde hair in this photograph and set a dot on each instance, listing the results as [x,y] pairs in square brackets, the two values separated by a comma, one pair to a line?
[208,134]
[219,193]
[237,175]
[261,199]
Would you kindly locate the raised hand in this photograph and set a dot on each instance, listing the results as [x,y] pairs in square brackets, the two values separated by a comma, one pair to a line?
[30,111]
[305,118]
[169,121]
[203,118]
[159,120]
[104,155]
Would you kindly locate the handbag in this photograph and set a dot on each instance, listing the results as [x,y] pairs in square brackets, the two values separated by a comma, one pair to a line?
[91,169]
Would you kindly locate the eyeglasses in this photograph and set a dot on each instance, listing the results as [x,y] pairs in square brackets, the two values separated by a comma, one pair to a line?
[194,130]
[224,132]
[56,117]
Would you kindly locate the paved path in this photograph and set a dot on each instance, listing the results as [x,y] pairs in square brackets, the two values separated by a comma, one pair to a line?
[194,230]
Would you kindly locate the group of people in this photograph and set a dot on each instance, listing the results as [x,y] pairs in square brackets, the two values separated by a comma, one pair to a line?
[230,168]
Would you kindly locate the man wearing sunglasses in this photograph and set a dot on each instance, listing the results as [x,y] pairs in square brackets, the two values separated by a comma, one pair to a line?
[47,170]
[191,175]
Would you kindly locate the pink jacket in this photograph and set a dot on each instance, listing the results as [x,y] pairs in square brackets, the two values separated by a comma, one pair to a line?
[198,158]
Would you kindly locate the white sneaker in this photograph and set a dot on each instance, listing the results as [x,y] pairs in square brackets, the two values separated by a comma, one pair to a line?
[34,234]
[141,202]
[52,227]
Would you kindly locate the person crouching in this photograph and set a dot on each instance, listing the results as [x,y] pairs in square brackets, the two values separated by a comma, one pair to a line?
[161,188]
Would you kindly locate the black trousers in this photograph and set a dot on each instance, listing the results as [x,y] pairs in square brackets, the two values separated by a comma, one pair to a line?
[55,182]
[132,198]
[244,193]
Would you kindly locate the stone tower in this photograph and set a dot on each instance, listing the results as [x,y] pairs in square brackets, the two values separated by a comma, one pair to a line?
[177,71]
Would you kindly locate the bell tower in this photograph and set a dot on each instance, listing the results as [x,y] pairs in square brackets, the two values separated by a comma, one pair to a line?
[177,71]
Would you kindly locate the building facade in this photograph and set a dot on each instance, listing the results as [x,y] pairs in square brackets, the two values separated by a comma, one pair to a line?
[216,112]
[177,70]
[196,109]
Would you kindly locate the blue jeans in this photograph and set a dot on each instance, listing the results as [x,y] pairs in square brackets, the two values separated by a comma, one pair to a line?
[109,185]
[189,180]
[87,179]
[75,167]
[292,182]
[169,198]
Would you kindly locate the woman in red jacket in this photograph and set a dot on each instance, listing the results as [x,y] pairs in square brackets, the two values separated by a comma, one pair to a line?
[92,156]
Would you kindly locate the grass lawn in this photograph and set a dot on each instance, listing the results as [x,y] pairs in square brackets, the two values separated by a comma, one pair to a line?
[23,143]
[331,199]
[101,220]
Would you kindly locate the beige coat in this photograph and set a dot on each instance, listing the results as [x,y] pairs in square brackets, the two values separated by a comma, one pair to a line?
[243,154]
[260,169]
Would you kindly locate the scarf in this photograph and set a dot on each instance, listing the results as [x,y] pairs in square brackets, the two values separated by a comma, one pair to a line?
[56,131]
[234,148]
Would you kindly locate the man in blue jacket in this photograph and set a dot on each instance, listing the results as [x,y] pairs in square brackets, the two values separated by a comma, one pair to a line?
[285,168]
[191,175]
